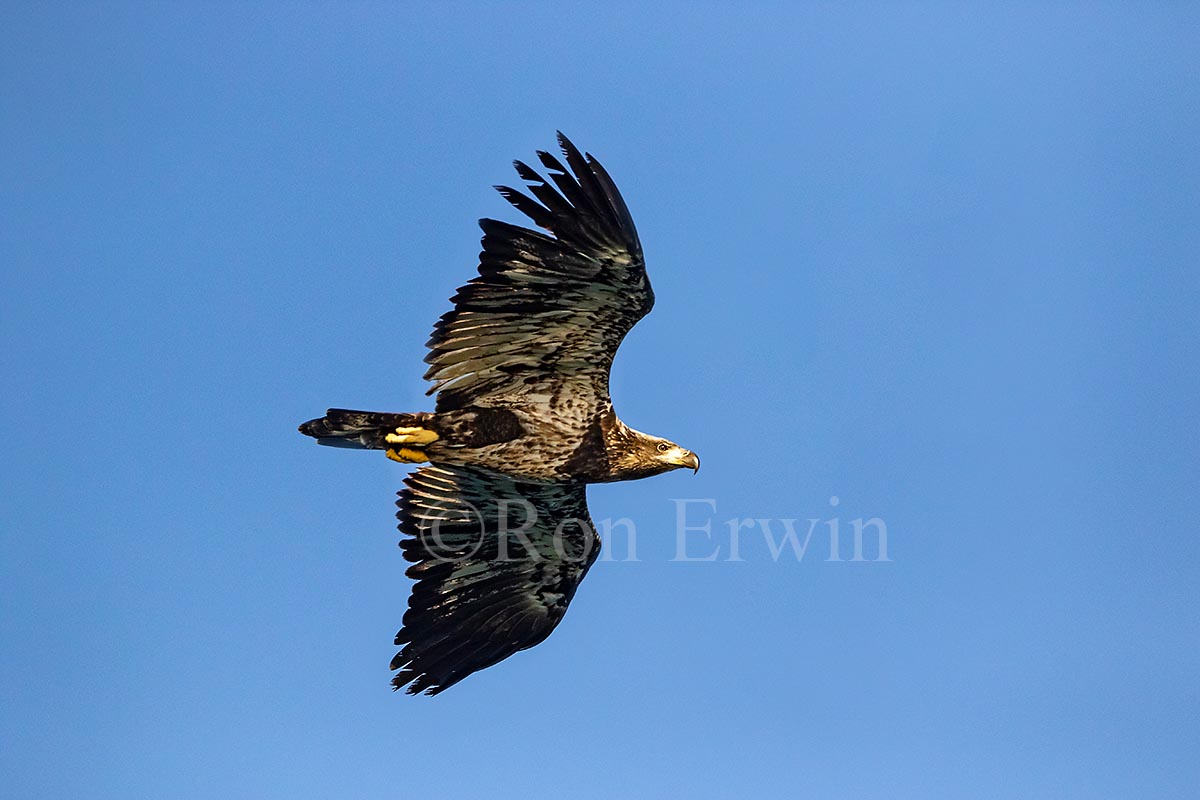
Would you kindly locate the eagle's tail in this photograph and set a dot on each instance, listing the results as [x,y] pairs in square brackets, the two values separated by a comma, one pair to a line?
[364,429]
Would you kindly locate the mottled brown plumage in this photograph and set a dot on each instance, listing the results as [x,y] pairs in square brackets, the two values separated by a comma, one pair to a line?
[497,525]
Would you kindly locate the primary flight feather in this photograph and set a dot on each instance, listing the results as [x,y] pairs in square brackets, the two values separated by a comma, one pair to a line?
[496,524]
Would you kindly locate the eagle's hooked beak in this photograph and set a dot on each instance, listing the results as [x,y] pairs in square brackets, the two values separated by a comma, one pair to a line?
[676,457]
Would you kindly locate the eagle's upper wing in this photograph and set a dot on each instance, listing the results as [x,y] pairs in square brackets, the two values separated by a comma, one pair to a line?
[496,562]
[545,310]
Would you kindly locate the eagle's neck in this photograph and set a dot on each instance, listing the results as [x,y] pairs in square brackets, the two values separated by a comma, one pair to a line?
[612,451]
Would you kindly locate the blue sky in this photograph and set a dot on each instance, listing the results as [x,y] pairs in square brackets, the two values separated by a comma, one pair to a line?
[937,261]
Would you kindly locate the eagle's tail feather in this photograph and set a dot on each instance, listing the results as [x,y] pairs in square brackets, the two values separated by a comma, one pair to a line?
[361,430]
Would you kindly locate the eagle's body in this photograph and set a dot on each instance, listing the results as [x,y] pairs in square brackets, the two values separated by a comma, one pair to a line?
[497,523]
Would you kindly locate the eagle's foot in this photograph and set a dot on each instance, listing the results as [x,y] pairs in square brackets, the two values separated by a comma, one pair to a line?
[407,455]
[412,436]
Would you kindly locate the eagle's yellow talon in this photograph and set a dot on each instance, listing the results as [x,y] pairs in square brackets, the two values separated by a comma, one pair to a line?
[407,455]
[417,436]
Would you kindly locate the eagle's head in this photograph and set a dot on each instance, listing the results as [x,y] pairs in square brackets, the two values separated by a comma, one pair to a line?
[671,456]
[639,455]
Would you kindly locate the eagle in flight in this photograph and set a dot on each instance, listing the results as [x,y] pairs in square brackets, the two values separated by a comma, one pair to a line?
[496,523]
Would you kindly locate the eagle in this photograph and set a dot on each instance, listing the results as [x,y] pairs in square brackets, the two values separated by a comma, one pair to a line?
[495,522]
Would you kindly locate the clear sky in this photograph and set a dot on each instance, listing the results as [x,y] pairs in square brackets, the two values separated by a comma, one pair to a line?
[938,262]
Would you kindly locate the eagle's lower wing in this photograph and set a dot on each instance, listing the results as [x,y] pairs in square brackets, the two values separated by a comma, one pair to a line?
[496,563]
[545,311]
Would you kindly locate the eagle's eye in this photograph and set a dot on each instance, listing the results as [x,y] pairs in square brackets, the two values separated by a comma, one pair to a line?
[663,447]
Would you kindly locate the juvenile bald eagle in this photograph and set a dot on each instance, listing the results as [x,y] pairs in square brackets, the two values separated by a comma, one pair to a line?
[497,525]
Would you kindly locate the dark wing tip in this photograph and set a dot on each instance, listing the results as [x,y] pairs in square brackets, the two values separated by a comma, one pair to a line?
[564,142]
[570,150]
[526,172]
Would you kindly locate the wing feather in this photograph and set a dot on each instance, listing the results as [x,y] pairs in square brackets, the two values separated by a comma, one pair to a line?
[496,562]
[545,306]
